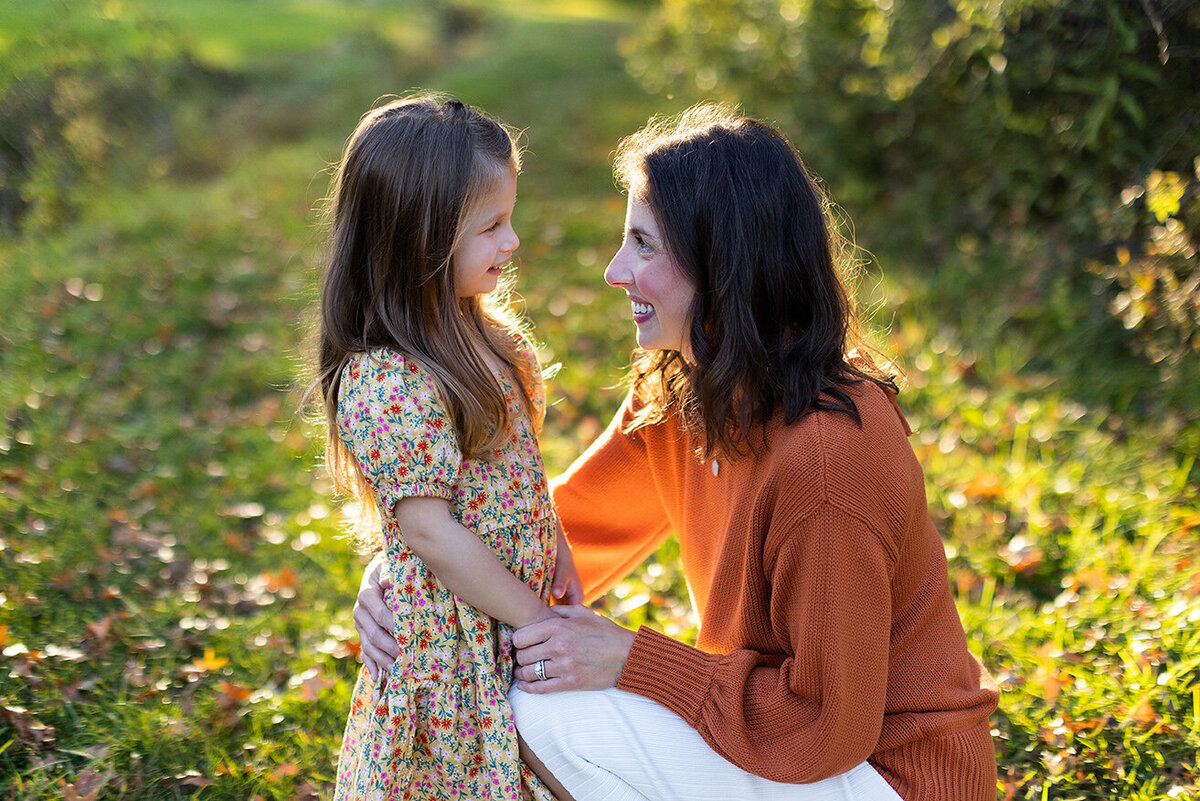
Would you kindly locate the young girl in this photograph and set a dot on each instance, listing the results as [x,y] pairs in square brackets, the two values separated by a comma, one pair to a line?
[434,402]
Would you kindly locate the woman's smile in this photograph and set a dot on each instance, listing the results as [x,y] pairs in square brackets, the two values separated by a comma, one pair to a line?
[642,311]
[660,297]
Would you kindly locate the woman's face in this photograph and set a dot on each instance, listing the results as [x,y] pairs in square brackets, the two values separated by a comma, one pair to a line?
[660,296]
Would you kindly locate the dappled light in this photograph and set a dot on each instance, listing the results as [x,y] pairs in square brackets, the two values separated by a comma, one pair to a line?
[176,578]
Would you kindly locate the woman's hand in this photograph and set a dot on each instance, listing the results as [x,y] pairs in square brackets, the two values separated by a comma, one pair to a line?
[373,619]
[582,650]
[566,588]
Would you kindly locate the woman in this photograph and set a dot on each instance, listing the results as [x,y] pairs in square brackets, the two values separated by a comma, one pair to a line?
[831,661]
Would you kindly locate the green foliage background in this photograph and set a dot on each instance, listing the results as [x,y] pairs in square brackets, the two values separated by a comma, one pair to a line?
[175,583]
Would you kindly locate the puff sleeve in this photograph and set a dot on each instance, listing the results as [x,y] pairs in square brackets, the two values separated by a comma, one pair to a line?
[393,421]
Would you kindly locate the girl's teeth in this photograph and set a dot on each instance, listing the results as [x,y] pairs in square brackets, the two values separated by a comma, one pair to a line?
[642,308]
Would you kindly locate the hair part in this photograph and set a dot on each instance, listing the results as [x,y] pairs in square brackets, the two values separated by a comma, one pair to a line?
[410,175]
[772,322]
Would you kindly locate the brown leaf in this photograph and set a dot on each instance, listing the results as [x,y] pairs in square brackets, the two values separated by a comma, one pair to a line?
[311,682]
[286,769]
[232,695]
[284,579]
[30,730]
[87,786]
[100,631]
[1143,714]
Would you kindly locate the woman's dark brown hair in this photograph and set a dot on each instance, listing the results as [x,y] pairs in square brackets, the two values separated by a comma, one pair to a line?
[771,322]
[409,175]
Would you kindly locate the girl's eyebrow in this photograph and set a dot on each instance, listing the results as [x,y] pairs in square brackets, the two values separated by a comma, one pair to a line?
[635,231]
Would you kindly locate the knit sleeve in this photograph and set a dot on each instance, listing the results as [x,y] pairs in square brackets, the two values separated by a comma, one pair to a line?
[816,710]
[609,507]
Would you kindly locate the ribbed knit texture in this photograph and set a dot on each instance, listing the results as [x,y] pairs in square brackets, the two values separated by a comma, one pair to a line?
[828,632]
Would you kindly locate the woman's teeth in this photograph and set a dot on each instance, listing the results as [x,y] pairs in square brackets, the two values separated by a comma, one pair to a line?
[642,308]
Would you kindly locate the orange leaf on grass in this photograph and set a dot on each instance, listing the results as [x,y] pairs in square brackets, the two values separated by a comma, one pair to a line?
[286,769]
[984,487]
[1143,714]
[311,682]
[232,695]
[285,578]
[3,634]
[210,661]
[1022,554]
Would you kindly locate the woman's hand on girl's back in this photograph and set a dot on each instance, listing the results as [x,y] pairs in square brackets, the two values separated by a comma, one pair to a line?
[581,649]
[373,620]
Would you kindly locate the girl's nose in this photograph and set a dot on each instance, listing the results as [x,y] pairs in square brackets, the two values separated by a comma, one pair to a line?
[512,242]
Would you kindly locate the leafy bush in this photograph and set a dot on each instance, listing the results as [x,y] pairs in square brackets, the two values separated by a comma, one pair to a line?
[75,95]
[1045,130]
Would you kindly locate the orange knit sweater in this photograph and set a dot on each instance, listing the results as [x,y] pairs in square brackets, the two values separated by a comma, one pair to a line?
[828,633]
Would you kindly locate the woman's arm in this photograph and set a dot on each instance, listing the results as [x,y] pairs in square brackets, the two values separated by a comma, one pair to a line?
[609,505]
[792,718]
[817,710]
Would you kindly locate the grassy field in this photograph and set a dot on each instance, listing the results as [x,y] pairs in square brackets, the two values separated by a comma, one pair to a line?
[175,580]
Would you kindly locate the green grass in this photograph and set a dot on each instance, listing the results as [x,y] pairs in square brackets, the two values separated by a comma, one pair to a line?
[159,496]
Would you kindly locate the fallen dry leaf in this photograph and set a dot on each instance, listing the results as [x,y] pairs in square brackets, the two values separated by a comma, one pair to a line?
[311,682]
[210,661]
[87,786]
[232,695]
[30,730]
[985,487]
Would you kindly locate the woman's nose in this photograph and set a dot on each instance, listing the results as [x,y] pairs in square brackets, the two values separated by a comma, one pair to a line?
[617,273]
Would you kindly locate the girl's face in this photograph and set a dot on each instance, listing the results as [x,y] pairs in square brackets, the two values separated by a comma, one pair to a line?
[659,294]
[488,240]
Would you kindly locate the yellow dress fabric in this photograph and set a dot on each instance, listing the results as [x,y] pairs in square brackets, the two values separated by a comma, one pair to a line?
[437,724]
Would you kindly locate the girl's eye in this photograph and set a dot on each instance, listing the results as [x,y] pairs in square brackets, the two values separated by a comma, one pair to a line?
[492,227]
[641,243]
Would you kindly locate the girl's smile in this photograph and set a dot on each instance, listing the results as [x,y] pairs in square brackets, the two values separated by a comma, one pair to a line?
[488,240]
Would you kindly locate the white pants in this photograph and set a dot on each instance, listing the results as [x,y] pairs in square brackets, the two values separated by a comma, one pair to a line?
[610,745]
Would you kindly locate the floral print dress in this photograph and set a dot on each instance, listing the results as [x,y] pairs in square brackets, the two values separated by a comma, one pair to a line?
[437,725]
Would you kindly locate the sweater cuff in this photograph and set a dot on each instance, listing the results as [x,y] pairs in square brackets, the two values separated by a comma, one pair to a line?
[665,670]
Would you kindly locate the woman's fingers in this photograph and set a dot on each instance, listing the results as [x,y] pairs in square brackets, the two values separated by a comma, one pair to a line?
[534,633]
[581,648]
[547,686]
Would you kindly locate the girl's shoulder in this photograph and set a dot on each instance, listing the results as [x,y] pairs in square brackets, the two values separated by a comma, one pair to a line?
[525,348]
[384,367]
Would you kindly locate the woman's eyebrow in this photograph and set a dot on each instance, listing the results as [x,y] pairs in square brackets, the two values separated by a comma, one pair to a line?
[635,231]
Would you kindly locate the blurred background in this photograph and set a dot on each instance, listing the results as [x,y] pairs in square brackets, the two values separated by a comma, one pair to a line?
[1021,181]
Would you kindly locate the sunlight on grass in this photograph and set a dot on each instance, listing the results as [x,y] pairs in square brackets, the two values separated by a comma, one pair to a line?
[177,580]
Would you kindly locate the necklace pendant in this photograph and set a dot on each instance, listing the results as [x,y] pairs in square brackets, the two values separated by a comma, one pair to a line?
[716,467]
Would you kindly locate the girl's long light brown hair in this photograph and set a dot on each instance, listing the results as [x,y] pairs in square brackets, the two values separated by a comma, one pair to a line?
[408,178]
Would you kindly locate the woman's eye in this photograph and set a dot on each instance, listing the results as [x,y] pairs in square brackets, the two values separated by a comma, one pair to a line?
[641,243]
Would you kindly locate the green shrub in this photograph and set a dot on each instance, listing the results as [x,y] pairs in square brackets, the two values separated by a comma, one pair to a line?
[76,95]
[1032,128]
